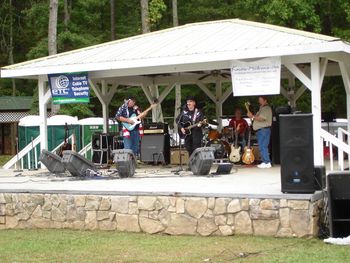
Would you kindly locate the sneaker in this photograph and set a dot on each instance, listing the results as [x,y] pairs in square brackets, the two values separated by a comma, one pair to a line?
[262,165]
[268,165]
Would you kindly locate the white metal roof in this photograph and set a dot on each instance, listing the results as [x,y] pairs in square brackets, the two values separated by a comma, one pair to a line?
[172,49]
[93,121]
[34,120]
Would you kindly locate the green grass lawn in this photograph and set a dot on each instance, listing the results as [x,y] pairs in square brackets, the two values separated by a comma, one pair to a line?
[4,159]
[99,246]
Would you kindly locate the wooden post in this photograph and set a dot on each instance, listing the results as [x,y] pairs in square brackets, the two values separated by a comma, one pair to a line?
[316,111]
[43,98]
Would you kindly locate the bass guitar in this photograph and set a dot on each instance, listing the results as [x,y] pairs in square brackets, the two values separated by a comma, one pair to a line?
[188,126]
[137,118]
[235,155]
[248,155]
[247,105]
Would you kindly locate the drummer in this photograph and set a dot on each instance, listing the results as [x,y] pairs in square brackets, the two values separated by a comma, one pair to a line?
[243,125]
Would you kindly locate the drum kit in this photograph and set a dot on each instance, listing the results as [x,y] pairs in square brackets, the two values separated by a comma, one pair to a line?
[220,141]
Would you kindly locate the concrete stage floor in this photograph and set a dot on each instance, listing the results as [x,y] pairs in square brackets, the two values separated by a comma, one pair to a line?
[243,182]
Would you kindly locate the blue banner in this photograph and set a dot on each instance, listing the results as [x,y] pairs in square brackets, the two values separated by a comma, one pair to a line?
[69,88]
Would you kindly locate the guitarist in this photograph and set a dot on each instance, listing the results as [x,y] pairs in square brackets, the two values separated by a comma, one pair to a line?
[191,115]
[262,122]
[131,138]
[238,121]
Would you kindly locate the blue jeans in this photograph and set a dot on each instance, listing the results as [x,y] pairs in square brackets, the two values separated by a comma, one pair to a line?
[133,143]
[263,136]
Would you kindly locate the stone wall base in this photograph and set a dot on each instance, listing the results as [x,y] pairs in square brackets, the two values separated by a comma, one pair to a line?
[161,214]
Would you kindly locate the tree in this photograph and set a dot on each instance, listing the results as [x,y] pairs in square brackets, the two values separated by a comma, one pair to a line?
[145,19]
[175,15]
[52,32]
[52,39]
[112,19]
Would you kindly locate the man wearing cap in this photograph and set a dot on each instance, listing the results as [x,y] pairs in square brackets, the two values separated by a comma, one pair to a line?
[131,138]
[262,122]
[191,115]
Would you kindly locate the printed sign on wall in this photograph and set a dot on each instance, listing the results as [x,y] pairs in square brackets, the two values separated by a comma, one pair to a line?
[69,88]
[260,77]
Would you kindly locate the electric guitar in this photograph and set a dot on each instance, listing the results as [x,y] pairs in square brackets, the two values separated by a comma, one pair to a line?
[137,118]
[188,126]
[235,155]
[248,155]
[247,104]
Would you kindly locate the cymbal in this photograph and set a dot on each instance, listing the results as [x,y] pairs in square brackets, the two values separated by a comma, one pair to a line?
[212,122]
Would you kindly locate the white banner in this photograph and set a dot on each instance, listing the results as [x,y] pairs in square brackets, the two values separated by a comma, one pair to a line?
[260,77]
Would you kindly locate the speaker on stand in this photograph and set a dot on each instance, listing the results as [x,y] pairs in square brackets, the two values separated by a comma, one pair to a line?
[296,149]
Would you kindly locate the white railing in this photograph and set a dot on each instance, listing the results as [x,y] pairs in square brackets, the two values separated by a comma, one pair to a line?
[87,148]
[343,147]
[343,135]
[25,153]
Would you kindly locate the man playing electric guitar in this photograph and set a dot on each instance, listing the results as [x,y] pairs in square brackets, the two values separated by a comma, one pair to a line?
[131,137]
[191,115]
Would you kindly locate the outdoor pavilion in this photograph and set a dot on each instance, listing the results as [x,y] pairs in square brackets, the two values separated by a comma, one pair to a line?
[184,54]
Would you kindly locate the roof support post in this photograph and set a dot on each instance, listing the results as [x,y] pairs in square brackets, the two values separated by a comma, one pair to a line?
[204,88]
[226,94]
[44,96]
[218,103]
[177,104]
[157,114]
[105,96]
[299,74]
[345,72]
[316,84]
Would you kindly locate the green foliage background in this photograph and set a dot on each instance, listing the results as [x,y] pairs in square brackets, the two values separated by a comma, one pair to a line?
[90,24]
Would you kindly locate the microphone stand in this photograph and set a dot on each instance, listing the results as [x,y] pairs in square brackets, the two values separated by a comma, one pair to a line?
[180,148]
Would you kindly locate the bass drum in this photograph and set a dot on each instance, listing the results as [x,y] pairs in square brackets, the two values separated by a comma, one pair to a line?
[219,147]
[213,135]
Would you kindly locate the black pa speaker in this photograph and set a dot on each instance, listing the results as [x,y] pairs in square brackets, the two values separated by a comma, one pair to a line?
[297,156]
[275,133]
[52,162]
[155,148]
[201,160]
[76,164]
[338,185]
[125,161]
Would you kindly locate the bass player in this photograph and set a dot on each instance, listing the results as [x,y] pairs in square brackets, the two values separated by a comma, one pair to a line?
[190,115]
[262,121]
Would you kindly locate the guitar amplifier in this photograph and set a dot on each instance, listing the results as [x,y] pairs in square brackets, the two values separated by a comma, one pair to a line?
[155,128]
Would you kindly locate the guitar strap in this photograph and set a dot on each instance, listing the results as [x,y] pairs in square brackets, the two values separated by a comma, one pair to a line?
[194,116]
